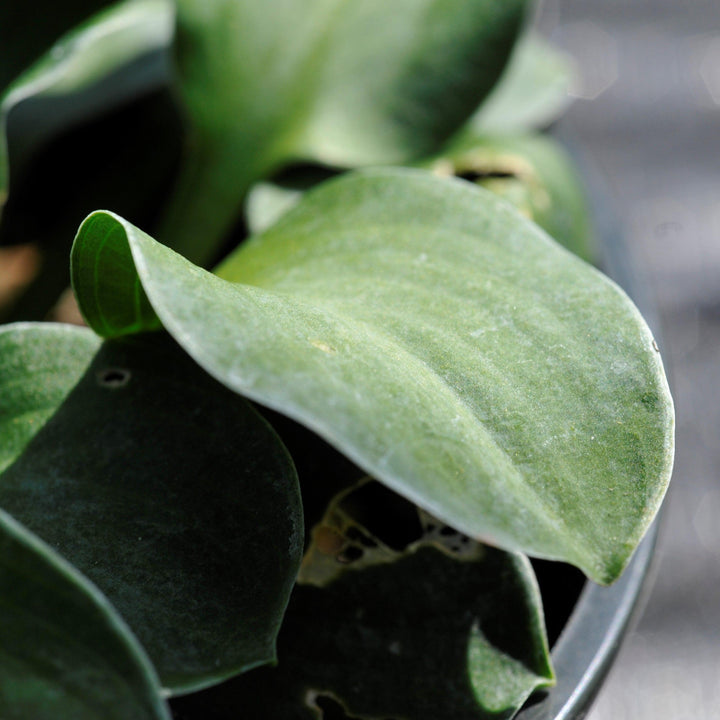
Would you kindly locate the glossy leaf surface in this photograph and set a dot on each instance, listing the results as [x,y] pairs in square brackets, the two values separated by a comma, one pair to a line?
[446,345]
[424,636]
[533,91]
[345,83]
[174,497]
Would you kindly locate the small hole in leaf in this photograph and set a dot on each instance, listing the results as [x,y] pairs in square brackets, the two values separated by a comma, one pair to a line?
[447,531]
[113,377]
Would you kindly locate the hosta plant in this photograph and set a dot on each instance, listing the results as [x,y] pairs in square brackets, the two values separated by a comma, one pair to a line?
[346,366]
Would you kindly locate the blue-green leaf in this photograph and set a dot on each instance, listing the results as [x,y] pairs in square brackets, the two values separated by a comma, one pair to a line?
[441,341]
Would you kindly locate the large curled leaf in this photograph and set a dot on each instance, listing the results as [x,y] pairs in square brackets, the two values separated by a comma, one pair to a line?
[424,637]
[64,653]
[346,83]
[445,344]
[533,91]
[75,73]
[170,493]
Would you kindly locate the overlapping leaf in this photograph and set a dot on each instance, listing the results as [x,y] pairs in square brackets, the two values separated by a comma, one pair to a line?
[38,369]
[438,339]
[165,489]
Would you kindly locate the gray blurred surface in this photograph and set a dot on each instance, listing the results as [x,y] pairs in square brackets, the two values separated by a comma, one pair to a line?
[648,117]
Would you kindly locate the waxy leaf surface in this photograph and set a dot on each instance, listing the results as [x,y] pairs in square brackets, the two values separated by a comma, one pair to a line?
[423,637]
[172,495]
[437,338]
[64,652]
[344,83]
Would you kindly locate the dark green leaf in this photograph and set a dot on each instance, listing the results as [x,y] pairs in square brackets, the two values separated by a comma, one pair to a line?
[441,341]
[174,497]
[424,637]
[346,83]
[64,653]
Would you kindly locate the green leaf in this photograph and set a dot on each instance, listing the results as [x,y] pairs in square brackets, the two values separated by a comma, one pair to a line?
[76,70]
[174,497]
[531,171]
[437,338]
[533,91]
[423,637]
[346,83]
[64,653]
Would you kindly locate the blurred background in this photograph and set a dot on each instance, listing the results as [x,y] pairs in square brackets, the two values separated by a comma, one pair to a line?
[647,120]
